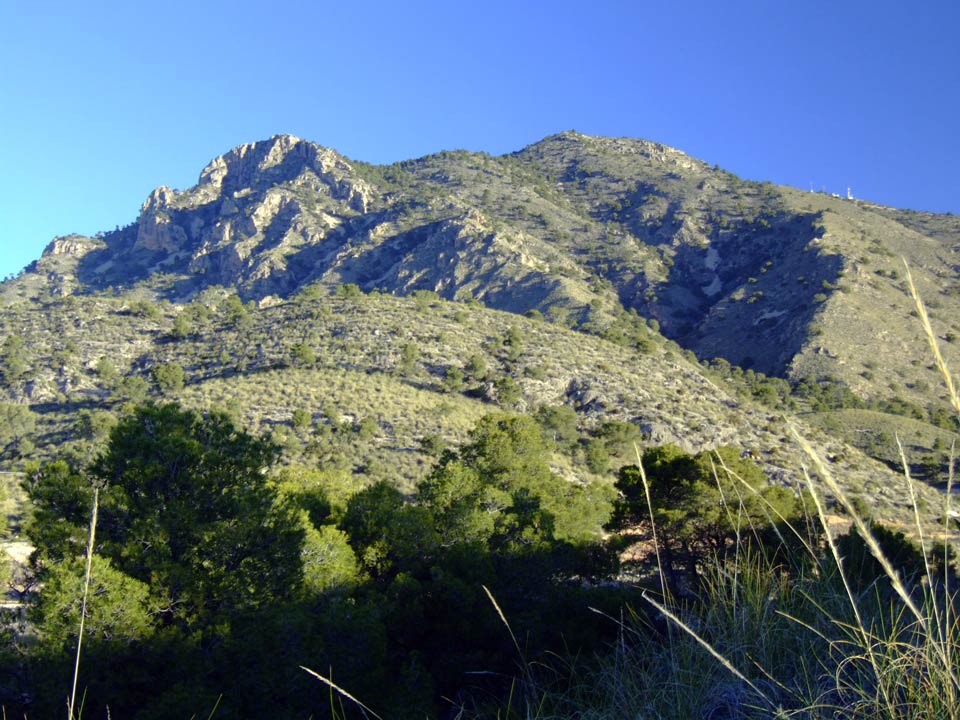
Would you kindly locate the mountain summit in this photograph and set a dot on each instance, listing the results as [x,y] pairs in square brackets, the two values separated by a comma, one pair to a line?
[581,229]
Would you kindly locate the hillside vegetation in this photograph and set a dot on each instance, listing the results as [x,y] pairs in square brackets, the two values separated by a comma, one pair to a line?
[357,417]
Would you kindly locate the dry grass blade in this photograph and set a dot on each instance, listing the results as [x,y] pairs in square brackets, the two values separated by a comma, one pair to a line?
[333,686]
[919,524]
[653,524]
[83,603]
[709,648]
[932,340]
[860,629]
[503,619]
[868,538]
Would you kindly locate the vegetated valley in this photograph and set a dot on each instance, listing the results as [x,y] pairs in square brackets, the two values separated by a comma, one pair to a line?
[463,433]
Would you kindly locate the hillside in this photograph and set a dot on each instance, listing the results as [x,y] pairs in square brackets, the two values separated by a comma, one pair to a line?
[336,409]
[347,357]
[580,228]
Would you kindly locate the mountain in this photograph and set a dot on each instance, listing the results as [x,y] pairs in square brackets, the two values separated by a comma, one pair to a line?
[640,258]
[580,228]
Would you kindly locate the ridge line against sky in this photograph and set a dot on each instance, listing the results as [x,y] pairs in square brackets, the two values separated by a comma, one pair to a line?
[106,101]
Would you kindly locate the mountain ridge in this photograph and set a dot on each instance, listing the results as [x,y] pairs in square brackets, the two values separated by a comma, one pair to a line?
[580,228]
[794,298]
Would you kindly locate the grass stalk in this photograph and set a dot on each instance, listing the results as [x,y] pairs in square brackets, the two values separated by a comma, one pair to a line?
[343,693]
[653,524]
[709,648]
[83,603]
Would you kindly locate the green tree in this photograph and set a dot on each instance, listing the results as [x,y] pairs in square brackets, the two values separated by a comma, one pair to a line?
[131,389]
[235,312]
[107,373]
[408,357]
[453,380]
[145,309]
[17,423]
[348,291]
[505,471]
[119,608]
[513,343]
[508,391]
[182,326]
[168,377]
[301,419]
[476,367]
[14,363]
[367,428]
[303,355]
[700,501]
[559,425]
[619,438]
[95,425]
[185,507]
[329,564]
[388,534]
[596,456]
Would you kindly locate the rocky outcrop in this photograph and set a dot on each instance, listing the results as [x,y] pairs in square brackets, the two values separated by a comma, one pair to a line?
[74,245]
[594,233]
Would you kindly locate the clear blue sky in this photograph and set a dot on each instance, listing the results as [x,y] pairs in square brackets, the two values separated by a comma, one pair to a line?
[102,101]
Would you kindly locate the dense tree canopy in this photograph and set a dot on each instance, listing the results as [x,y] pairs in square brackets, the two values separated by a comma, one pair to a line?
[185,506]
[212,577]
[700,501]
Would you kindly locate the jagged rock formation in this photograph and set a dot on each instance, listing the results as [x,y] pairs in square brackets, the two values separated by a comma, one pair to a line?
[582,229]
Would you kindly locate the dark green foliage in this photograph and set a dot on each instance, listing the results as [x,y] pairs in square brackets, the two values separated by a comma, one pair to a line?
[620,439]
[17,423]
[182,326]
[476,367]
[367,428]
[453,380]
[14,363]
[504,472]
[303,355]
[169,378]
[513,342]
[62,499]
[107,373]
[119,610]
[301,419]
[131,389]
[700,502]
[596,455]
[348,290]
[424,299]
[234,311]
[508,391]
[827,394]
[491,514]
[559,424]
[175,484]
[863,569]
[432,445]
[192,538]
[145,309]
[387,534]
[408,357]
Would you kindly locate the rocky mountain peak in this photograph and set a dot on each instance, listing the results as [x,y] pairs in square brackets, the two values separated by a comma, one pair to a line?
[583,229]
[76,245]
[261,164]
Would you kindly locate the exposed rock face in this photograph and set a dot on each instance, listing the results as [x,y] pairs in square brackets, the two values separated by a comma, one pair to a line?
[583,229]
[283,158]
[74,245]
